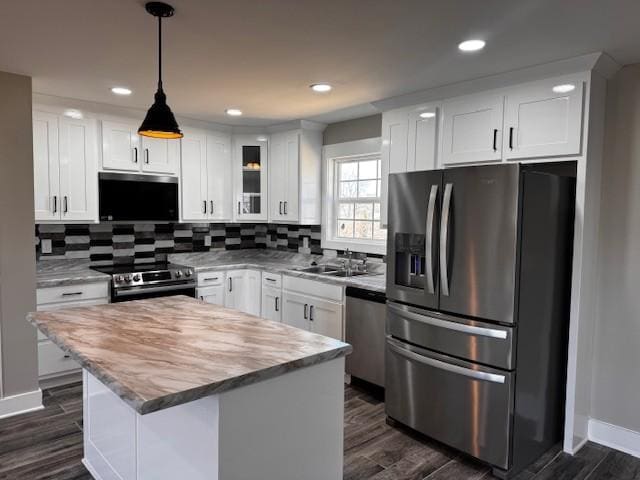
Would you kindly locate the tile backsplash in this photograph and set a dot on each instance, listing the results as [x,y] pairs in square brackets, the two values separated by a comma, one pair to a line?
[107,243]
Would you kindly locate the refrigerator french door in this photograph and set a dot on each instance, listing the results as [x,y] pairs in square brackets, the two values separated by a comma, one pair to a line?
[478,284]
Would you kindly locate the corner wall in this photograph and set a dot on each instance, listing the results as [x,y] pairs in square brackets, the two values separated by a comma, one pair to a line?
[19,361]
[615,394]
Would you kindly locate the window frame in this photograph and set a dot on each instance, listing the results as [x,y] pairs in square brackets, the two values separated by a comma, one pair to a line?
[333,155]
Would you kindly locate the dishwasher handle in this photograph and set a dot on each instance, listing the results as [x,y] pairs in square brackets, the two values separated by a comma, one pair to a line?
[364,294]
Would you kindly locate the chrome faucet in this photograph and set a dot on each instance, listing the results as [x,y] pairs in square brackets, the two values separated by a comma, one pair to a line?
[347,263]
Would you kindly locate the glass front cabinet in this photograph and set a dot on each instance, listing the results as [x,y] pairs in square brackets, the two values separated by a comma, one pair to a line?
[250,166]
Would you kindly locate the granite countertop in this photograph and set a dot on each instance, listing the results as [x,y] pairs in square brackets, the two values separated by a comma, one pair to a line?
[163,352]
[53,273]
[276,261]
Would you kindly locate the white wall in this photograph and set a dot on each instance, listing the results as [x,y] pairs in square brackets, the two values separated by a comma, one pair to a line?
[615,395]
[19,361]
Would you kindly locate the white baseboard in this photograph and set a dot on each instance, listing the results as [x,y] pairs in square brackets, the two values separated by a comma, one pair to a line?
[21,403]
[613,436]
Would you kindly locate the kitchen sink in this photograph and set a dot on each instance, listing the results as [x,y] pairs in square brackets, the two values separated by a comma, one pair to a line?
[319,269]
[344,273]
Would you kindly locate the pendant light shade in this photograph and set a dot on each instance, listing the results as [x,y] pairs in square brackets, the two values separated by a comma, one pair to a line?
[160,121]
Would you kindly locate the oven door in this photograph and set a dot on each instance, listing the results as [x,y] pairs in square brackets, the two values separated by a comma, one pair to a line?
[462,404]
[139,293]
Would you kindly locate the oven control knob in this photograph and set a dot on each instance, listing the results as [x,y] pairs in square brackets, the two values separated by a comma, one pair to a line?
[187,273]
[136,277]
[127,278]
[178,273]
[119,278]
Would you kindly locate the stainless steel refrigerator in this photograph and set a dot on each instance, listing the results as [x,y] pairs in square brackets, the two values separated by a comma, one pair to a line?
[478,288]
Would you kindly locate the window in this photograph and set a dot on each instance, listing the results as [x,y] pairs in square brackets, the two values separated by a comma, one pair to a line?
[358,199]
[351,213]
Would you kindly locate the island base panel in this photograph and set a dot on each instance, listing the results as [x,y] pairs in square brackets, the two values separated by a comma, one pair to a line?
[285,428]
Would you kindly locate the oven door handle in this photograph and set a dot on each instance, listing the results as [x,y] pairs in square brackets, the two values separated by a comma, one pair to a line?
[449,367]
[139,290]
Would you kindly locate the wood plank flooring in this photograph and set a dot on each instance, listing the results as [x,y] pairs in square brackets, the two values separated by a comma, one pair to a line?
[47,445]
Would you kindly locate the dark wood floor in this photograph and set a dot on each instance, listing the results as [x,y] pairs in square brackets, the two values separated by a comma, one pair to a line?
[48,445]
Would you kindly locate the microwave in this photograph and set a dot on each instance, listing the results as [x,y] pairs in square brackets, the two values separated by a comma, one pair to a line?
[134,197]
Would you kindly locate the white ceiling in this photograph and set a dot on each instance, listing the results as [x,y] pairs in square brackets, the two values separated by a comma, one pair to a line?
[261,55]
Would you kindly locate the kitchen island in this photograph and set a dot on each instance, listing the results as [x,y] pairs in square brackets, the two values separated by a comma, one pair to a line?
[176,388]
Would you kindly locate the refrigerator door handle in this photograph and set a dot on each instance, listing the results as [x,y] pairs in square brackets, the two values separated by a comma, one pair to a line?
[444,239]
[458,327]
[467,372]
[428,255]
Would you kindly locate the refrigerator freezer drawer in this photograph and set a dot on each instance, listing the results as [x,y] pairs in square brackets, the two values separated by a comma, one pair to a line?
[455,402]
[479,342]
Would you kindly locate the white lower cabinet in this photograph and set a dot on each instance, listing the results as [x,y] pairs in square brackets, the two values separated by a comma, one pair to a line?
[271,308]
[314,306]
[52,361]
[214,295]
[242,291]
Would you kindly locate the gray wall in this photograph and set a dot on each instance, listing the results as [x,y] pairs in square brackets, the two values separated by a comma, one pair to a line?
[616,381]
[356,129]
[17,255]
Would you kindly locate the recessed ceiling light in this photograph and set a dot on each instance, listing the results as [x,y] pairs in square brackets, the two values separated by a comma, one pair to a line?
[76,114]
[261,138]
[121,90]
[321,87]
[234,112]
[564,88]
[427,115]
[472,45]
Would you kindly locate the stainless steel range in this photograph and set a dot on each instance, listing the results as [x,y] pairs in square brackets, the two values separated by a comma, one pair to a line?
[134,282]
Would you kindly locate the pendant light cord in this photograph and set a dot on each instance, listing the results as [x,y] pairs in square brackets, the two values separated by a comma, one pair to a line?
[159,52]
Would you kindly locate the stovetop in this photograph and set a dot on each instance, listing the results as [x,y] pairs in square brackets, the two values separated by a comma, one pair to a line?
[148,274]
[133,268]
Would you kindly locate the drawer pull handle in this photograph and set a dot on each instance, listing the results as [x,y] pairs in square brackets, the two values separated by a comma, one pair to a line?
[449,367]
[66,356]
[270,279]
[458,327]
[71,294]
[209,279]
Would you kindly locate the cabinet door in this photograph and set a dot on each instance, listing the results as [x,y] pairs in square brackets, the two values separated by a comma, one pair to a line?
[46,167]
[277,176]
[120,147]
[250,164]
[213,295]
[472,129]
[235,288]
[423,138]
[220,189]
[325,318]
[78,166]
[295,310]
[193,180]
[160,155]
[252,292]
[542,123]
[395,130]
[271,307]
[284,179]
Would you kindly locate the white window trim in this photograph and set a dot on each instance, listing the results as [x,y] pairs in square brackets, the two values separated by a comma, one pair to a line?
[359,149]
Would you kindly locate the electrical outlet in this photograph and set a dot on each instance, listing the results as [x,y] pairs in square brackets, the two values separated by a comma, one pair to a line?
[45,245]
[305,242]
[207,240]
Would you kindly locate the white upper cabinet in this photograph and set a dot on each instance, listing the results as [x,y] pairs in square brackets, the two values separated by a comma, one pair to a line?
[250,178]
[472,129]
[46,166]
[160,155]
[544,119]
[219,177]
[120,146]
[65,166]
[422,148]
[78,169]
[395,133]
[193,180]
[123,149]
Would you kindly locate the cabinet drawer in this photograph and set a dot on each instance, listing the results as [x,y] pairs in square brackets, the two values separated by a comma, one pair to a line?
[52,360]
[210,279]
[72,293]
[271,279]
[334,293]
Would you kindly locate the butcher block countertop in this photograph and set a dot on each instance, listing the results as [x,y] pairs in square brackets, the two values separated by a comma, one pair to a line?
[163,352]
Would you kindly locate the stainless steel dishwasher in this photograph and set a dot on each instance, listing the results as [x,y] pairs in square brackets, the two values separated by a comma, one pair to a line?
[365,331]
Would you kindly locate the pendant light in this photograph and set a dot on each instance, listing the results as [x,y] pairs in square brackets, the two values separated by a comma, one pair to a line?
[160,122]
